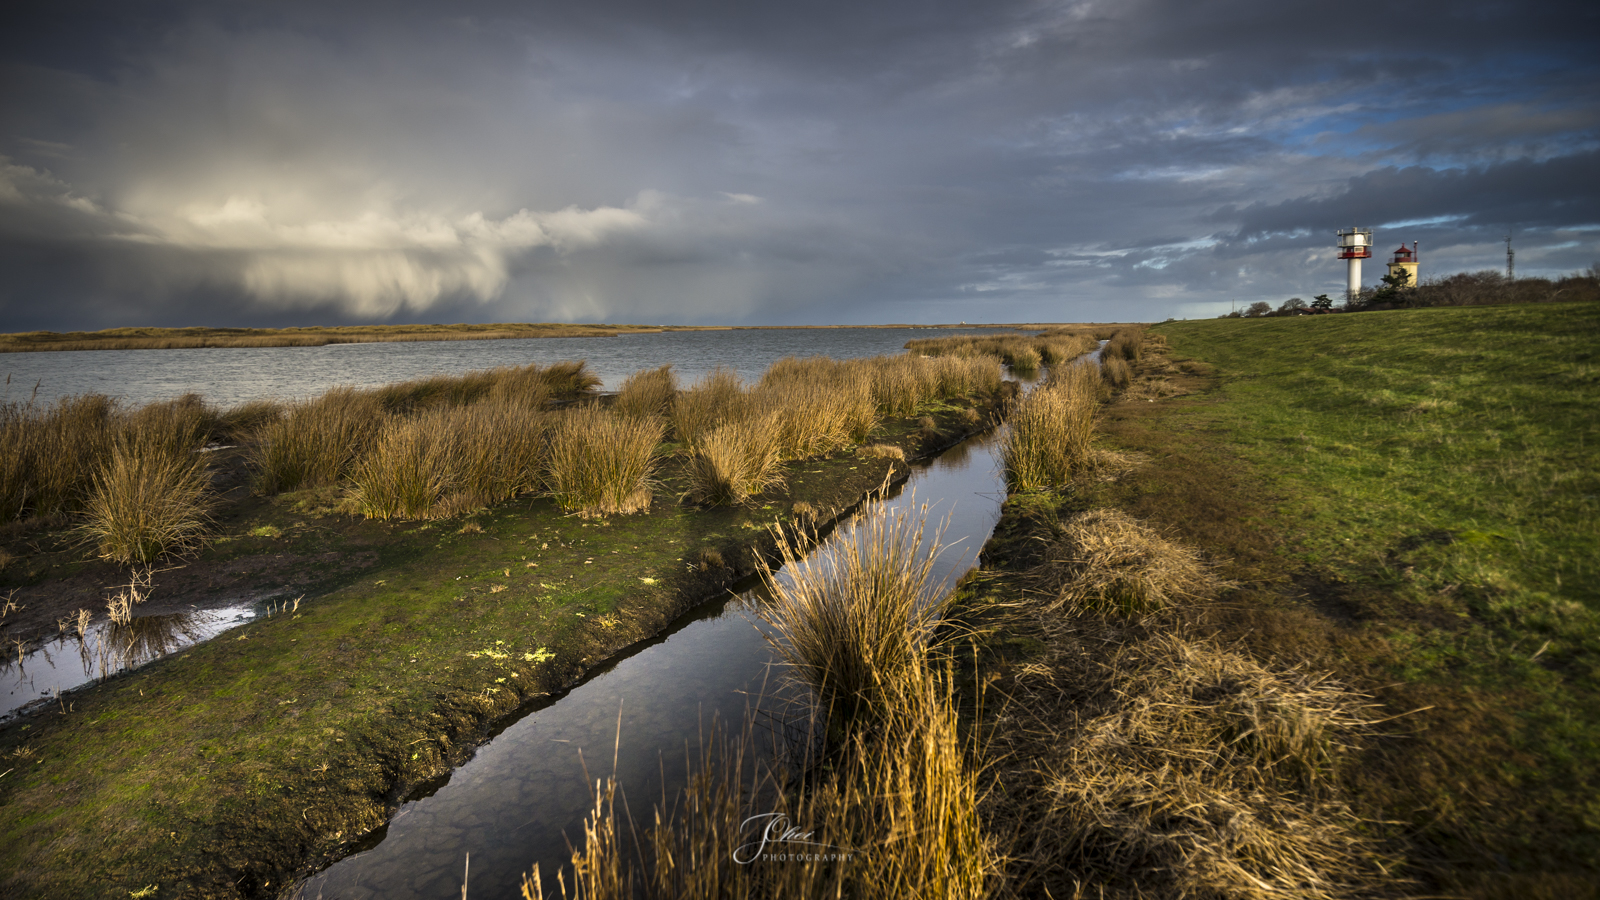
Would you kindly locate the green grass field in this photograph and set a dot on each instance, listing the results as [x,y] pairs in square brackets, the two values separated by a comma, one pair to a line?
[1430,480]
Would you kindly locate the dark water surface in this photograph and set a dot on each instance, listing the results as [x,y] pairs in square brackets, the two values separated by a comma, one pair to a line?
[71,660]
[510,806]
[227,376]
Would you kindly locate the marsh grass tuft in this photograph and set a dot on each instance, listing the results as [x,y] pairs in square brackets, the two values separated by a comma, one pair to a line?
[1106,561]
[316,442]
[737,461]
[716,398]
[648,393]
[149,499]
[599,463]
[894,813]
[852,619]
[1116,371]
[1051,431]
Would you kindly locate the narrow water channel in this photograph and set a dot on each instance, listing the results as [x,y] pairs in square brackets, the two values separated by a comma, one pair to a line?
[511,805]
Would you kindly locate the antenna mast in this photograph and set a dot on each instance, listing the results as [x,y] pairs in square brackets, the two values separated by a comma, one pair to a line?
[1511,259]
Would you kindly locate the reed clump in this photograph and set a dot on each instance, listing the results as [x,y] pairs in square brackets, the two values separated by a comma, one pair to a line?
[599,463]
[49,454]
[316,442]
[821,404]
[736,461]
[323,441]
[851,621]
[1023,353]
[716,398]
[1051,431]
[648,393]
[894,813]
[1116,372]
[147,500]
[1106,561]
[1126,344]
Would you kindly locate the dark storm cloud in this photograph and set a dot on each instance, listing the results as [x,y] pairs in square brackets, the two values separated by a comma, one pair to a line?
[263,163]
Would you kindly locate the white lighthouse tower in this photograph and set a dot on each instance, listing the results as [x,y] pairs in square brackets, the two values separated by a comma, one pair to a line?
[1355,245]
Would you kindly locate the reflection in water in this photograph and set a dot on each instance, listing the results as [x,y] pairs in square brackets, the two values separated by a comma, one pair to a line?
[513,804]
[105,648]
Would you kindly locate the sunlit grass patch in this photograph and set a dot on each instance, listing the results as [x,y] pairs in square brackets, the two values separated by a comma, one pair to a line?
[737,461]
[600,463]
[1105,560]
[648,393]
[1051,431]
[148,500]
[852,620]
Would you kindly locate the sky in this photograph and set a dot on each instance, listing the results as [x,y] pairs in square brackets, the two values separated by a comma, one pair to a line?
[653,161]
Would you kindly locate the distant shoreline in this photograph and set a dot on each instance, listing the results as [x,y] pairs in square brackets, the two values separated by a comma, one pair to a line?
[201,337]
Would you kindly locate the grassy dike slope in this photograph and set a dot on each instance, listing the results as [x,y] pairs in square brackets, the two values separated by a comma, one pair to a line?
[223,771]
[1415,504]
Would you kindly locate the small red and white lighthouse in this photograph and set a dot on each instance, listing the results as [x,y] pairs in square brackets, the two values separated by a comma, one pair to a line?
[1355,245]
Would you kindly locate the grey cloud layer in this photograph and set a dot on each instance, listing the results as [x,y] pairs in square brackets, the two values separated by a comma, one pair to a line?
[172,163]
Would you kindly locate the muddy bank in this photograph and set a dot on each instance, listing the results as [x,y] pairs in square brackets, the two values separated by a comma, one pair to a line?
[223,770]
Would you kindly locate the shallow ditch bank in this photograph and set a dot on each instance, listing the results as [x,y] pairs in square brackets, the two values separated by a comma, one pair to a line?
[1067,693]
[220,771]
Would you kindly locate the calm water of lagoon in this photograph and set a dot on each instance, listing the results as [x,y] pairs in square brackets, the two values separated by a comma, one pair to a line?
[227,376]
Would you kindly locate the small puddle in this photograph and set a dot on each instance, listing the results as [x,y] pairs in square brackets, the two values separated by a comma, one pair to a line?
[528,787]
[104,648]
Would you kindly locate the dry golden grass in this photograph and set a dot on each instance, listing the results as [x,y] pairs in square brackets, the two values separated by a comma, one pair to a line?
[1023,353]
[1116,371]
[852,619]
[147,501]
[714,399]
[599,463]
[894,813]
[317,442]
[648,393]
[1127,344]
[49,454]
[1196,772]
[881,451]
[736,461]
[1051,431]
[1105,560]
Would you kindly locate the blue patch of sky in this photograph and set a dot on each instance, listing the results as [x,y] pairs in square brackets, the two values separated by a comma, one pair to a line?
[1513,79]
